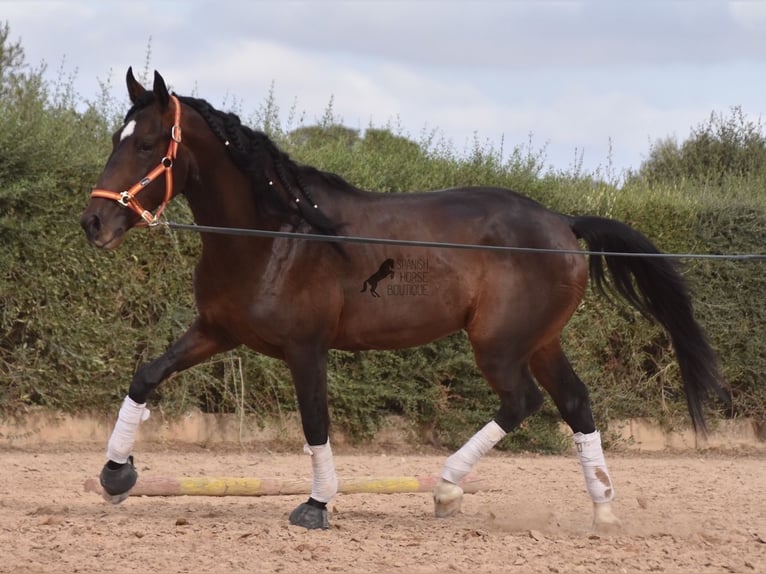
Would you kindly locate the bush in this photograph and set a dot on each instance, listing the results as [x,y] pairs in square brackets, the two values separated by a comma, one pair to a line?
[724,151]
[75,323]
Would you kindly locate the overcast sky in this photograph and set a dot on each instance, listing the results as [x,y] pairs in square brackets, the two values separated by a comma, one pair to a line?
[576,75]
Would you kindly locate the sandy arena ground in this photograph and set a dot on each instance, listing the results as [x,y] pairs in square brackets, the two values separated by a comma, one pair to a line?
[694,512]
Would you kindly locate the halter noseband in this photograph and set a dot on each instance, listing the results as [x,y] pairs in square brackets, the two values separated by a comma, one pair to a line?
[128,198]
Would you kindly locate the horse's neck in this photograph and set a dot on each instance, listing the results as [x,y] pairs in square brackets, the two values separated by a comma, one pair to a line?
[223,202]
[222,198]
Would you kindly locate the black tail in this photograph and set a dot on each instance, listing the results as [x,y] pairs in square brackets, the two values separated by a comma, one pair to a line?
[655,287]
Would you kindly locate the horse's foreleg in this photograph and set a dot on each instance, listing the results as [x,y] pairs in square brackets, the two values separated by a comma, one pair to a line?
[309,370]
[119,475]
[554,372]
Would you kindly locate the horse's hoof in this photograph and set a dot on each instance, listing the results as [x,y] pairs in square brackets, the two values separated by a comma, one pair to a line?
[448,498]
[310,517]
[604,519]
[114,498]
[117,481]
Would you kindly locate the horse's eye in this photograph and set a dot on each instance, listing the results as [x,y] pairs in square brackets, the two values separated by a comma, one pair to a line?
[145,147]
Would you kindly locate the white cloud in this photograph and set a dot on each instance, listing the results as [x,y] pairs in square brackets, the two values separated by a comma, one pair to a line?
[749,15]
[574,74]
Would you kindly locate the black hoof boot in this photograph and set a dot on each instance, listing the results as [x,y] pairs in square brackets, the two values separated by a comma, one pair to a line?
[311,515]
[117,480]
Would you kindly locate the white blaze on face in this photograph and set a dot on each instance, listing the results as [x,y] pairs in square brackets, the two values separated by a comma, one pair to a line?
[128,130]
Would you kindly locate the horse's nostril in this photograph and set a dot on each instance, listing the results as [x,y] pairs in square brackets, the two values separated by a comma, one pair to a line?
[91,224]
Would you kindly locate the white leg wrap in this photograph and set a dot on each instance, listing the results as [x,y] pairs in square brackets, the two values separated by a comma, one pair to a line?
[124,434]
[457,466]
[324,482]
[597,479]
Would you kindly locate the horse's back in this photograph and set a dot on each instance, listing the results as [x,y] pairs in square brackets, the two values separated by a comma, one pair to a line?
[435,291]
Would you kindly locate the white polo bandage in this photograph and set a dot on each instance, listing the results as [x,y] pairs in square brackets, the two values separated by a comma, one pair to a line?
[125,430]
[597,479]
[324,482]
[457,466]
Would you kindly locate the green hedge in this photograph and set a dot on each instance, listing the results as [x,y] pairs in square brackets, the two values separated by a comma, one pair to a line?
[75,323]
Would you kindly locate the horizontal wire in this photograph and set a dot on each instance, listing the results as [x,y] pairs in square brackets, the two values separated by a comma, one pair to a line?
[448,245]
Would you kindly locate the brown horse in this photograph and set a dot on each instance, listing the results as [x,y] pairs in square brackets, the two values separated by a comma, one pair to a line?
[249,289]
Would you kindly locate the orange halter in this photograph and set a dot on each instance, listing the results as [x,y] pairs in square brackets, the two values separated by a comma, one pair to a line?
[128,198]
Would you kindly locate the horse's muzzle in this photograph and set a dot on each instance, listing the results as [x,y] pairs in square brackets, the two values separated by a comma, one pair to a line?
[98,234]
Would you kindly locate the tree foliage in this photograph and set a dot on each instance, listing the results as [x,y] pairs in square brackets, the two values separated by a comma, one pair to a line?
[75,323]
[718,151]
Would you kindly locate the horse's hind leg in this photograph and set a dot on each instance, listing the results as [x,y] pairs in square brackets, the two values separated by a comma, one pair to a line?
[555,374]
[519,397]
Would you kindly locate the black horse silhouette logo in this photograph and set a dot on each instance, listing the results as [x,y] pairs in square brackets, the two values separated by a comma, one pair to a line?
[386,270]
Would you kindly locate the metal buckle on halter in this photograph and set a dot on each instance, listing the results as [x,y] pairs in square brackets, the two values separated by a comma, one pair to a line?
[167,162]
[150,219]
[125,199]
[175,133]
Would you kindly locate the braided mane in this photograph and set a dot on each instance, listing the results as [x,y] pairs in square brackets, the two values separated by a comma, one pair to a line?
[251,151]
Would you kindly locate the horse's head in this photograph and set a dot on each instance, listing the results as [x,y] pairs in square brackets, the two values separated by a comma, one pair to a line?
[144,170]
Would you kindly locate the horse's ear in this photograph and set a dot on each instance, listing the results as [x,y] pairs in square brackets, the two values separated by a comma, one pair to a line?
[135,90]
[161,90]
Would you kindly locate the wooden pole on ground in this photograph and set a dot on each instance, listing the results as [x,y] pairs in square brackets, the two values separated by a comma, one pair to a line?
[234,486]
